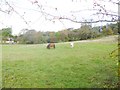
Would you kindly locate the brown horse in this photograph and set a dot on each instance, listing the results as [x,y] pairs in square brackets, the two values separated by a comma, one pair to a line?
[50,45]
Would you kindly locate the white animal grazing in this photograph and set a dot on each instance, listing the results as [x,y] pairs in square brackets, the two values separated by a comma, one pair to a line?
[71,44]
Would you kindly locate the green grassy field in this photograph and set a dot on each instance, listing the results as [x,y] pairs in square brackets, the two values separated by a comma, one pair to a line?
[87,65]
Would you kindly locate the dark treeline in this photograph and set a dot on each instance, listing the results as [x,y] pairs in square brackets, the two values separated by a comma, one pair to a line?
[86,31]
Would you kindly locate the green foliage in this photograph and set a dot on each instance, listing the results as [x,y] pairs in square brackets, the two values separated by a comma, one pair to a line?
[86,31]
[114,53]
[31,37]
[114,27]
[0,35]
[6,32]
[109,31]
[104,31]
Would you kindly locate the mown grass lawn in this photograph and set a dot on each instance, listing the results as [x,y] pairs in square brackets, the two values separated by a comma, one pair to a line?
[87,65]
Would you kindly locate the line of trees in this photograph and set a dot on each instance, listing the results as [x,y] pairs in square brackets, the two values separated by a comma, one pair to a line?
[86,31]
[6,34]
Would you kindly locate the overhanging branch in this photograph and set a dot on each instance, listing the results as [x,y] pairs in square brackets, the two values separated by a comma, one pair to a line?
[95,21]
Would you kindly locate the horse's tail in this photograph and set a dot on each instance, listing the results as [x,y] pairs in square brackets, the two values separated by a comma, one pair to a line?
[54,46]
[48,46]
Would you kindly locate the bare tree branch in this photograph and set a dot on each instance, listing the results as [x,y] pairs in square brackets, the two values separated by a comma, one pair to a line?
[16,12]
[100,10]
[96,21]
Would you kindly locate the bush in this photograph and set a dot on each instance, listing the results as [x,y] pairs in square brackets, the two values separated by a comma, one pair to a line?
[29,42]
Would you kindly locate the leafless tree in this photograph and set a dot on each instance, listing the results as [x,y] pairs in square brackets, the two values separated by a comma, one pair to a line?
[98,10]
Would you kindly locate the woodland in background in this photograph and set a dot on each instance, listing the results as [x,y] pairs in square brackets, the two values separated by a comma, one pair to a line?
[86,31]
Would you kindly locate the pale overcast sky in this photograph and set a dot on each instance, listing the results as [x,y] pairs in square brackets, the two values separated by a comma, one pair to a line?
[36,19]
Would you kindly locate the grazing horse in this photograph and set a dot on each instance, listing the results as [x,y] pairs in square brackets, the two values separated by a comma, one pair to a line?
[71,44]
[50,45]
